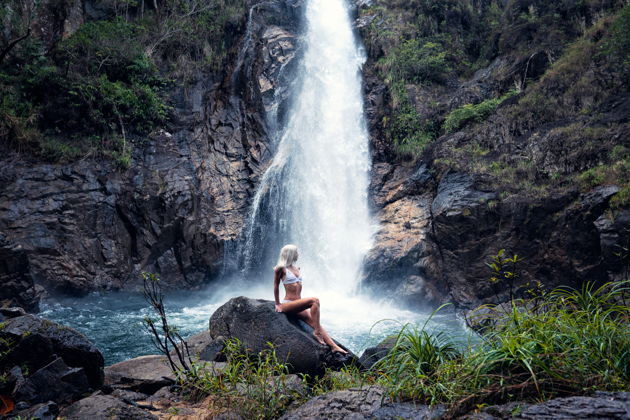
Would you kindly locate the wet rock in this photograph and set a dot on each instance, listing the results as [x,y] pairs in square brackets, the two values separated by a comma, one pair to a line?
[44,411]
[104,407]
[601,406]
[407,411]
[255,323]
[38,343]
[371,355]
[348,404]
[18,288]
[144,374]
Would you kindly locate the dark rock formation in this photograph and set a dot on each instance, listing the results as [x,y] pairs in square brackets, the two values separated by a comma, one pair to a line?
[18,288]
[144,374]
[46,361]
[371,355]
[256,323]
[104,407]
[600,406]
[351,403]
[86,225]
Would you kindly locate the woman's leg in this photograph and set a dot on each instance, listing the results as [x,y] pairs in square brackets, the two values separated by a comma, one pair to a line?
[306,316]
[311,304]
[333,346]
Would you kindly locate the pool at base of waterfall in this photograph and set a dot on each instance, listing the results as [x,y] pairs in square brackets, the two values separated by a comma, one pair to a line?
[114,321]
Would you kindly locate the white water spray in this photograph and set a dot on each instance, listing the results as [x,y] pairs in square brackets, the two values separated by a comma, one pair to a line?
[315,192]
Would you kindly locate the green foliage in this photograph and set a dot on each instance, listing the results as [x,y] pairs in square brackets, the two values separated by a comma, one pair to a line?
[416,354]
[257,385]
[80,96]
[505,269]
[473,113]
[197,35]
[406,129]
[572,342]
[617,46]
[414,61]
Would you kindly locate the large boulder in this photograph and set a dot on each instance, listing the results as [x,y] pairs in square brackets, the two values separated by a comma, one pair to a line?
[255,323]
[599,406]
[45,361]
[104,407]
[371,355]
[350,403]
[145,374]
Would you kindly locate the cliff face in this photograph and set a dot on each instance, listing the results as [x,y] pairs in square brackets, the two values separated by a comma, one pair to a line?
[88,225]
[517,151]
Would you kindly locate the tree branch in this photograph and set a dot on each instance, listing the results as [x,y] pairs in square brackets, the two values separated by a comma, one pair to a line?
[12,45]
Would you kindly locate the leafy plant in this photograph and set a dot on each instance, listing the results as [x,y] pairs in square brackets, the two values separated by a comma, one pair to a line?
[504,269]
[471,113]
[257,385]
[580,342]
[416,61]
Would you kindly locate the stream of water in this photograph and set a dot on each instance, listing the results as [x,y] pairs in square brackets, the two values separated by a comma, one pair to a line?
[314,194]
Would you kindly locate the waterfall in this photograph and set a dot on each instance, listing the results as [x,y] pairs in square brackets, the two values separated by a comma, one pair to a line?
[314,194]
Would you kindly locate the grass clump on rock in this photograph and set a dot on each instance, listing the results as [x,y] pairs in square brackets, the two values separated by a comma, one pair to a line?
[256,387]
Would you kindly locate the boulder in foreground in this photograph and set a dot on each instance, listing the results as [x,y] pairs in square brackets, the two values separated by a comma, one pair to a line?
[45,361]
[255,323]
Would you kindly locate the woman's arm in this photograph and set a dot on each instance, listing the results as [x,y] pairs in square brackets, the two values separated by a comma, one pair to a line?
[277,276]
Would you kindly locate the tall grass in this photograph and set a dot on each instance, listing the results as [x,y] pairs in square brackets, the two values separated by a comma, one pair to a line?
[572,342]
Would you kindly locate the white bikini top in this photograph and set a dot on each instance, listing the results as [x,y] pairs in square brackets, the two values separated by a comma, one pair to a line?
[290,278]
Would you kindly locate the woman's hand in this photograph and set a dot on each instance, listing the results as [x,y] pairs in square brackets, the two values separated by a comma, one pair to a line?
[278,307]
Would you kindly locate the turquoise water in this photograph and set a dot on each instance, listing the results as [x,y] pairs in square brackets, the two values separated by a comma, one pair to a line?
[114,321]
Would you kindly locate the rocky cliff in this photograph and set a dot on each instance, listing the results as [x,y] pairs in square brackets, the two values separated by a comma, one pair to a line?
[493,125]
[88,225]
[526,149]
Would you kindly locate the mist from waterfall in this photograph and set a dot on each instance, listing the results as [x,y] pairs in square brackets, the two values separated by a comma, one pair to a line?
[314,194]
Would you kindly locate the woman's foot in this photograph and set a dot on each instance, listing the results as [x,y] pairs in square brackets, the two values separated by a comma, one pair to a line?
[319,337]
[337,349]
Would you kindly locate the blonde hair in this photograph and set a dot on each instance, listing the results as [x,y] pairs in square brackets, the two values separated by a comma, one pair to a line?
[288,255]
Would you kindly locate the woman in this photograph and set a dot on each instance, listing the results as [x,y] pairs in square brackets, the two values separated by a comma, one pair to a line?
[307,308]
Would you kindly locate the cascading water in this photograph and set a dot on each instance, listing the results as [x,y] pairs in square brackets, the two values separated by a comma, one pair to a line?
[314,194]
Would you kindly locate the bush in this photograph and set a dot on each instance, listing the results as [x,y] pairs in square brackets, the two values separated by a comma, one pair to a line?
[415,61]
[406,130]
[470,113]
[617,46]
[257,385]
